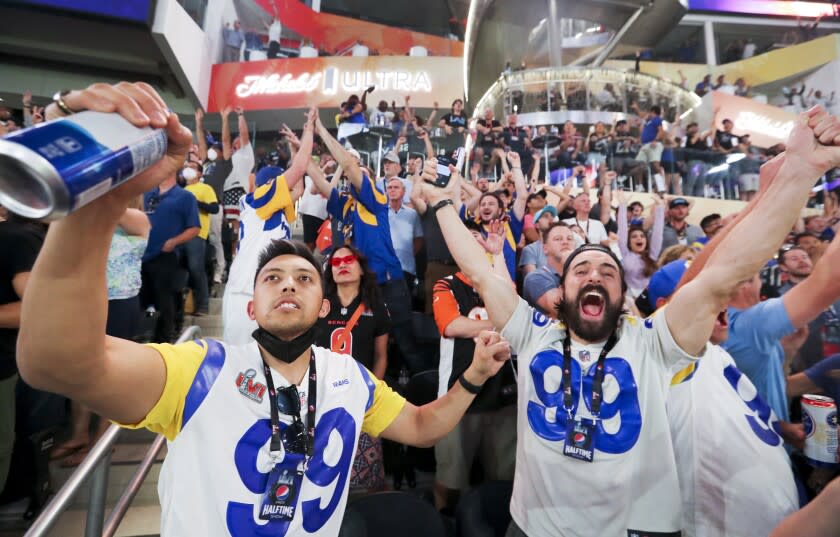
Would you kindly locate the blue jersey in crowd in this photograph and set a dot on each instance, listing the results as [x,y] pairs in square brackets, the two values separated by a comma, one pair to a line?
[651,129]
[753,342]
[170,214]
[365,225]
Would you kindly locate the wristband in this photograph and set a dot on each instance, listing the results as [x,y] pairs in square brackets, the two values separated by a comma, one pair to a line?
[469,386]
[441,204]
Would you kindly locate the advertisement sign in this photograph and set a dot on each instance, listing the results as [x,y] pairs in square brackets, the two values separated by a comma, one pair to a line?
[784,8]
[329,81]
[767,125]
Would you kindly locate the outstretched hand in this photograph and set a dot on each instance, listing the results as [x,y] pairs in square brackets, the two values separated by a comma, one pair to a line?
[494,242]
[290,136]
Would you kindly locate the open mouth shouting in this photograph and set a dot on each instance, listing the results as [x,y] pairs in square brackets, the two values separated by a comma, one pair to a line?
[592,303]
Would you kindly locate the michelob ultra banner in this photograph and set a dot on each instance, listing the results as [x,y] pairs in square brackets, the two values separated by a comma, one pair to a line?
[329,81]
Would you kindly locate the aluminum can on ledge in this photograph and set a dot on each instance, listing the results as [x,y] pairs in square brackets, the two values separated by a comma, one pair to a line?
[819,418]
[51,169]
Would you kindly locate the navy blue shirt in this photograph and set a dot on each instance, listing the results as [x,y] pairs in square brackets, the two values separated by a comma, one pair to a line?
[170,214]
[651,129]
[364,218]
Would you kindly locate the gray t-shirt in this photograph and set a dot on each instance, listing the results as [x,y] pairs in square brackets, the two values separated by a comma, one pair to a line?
[538,283]
[533,254]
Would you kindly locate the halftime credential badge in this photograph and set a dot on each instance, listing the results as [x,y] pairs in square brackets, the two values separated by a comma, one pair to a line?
[250,389]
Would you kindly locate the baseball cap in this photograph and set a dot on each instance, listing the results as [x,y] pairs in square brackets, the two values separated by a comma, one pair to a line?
[677,202]
[547,209]
[266,174]
[664,281]
[390,156]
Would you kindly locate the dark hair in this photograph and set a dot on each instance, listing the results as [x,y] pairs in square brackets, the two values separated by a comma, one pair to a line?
[692,124]
[800,236]
[279,247]
[635,203]
[620,122]
[785,249]
[656,110]
[493,194]
[650,265]
[457,101]
[368,288]
[598,248]
[708,219]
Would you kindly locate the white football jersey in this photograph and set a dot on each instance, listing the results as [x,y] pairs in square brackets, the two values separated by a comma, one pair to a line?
[735,475]
[254,235]
[631,487]
[215,413]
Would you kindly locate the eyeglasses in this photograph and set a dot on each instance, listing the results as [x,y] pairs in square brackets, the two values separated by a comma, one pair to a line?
[785,249]
[288,403]
[346,260]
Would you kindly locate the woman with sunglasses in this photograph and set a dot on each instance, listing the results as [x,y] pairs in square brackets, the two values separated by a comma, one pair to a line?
[358,325]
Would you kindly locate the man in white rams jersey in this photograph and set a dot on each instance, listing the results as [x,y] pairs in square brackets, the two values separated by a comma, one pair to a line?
[594,454]
[262,436]
[735,475]
[264,215]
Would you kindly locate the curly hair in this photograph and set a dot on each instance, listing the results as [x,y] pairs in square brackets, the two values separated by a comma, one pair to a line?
[368,287]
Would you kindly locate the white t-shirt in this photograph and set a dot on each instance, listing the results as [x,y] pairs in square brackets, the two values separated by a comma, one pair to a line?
[214,411]
[594,229]
[631,485]
[275,30]
[242,162]
[312,204]
[254,235]
[735,475]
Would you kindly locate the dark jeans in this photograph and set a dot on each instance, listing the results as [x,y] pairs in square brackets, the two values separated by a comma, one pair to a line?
[123,317]
[398,300]
[195,250]
[162,278]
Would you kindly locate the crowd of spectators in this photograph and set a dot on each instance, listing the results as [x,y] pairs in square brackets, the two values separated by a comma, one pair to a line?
[391,272]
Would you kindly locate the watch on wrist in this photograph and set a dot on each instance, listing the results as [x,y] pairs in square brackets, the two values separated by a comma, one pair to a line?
[469,386]
[441,204]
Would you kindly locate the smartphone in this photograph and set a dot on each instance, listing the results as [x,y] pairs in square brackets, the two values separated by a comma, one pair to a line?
[443,173]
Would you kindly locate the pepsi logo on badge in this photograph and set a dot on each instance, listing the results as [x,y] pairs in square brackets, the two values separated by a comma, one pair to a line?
[282,492]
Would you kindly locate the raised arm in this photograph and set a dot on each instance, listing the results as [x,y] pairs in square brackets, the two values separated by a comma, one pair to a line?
[344,159]
[605,180]
[621,216]
[242,126]
[303,147]
[62,346]
[227,150]
[319,180]
[692,311]
[199,133]
[658,229]
[418,201]
[521,201]
[499,298]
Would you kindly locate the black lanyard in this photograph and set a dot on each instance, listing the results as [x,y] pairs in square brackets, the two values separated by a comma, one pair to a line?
[276,439]
[597,382]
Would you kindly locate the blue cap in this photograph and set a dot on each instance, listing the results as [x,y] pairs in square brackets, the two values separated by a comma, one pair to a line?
[547,209]
[266,174]
[664,281]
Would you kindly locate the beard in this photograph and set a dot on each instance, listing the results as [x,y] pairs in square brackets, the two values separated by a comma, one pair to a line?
[568,311]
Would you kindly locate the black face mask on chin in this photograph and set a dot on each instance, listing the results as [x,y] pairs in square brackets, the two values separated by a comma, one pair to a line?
[285,351]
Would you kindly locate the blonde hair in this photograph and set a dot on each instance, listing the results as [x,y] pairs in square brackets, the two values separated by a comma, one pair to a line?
[672,253]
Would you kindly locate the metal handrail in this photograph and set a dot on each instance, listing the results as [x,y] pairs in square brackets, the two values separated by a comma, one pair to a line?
[96,464]
[121,508]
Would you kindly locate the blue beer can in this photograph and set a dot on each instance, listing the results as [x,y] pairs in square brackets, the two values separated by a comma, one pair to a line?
[51,169]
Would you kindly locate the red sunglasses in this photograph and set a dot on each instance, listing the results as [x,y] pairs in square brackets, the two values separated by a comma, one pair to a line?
[346,260]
